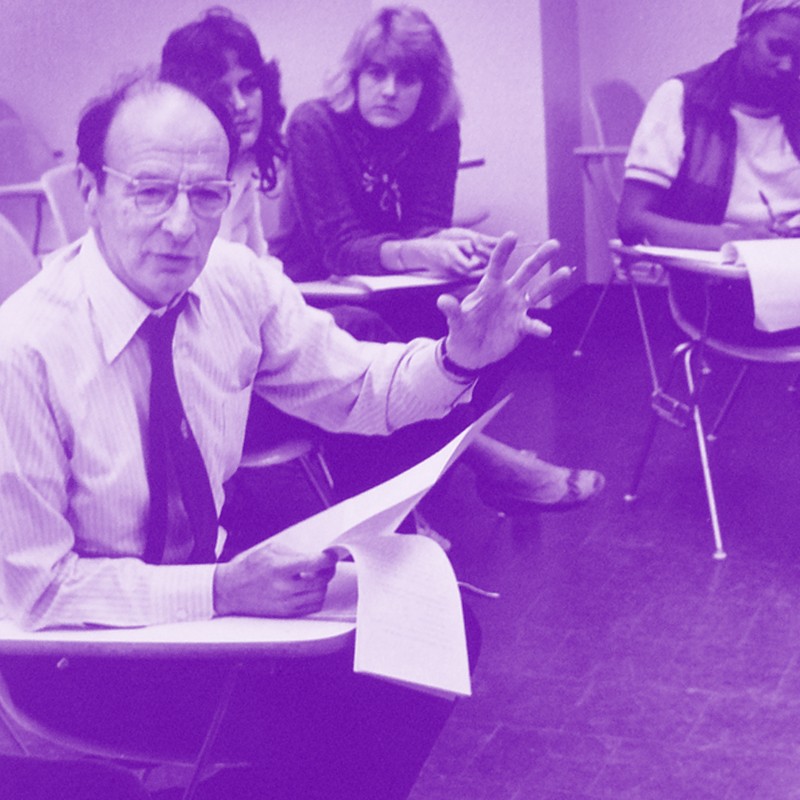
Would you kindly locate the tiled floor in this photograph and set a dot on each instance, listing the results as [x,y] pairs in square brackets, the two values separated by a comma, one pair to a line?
[621,660]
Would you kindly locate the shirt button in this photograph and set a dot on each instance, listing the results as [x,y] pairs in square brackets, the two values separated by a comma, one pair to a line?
[185,428]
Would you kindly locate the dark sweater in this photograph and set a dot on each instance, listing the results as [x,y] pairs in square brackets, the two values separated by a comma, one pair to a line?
[350,187]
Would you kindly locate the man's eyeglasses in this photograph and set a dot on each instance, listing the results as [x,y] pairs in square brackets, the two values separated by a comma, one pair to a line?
[153,196]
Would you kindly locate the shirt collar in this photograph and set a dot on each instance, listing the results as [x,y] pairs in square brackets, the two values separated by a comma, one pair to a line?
[118,312]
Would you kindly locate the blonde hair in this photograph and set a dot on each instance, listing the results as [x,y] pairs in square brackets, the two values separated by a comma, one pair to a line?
[407,38]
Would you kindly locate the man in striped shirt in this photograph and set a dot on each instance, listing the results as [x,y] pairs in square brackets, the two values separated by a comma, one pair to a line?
[75,371]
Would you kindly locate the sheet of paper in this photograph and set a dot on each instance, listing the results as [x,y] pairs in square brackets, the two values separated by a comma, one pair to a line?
[680,254]
[409,623]
[330,290]
[383,283]
[773,266]
[386,283]
[386,504]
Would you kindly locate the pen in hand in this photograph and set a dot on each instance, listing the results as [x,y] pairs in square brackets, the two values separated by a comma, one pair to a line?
[778,223]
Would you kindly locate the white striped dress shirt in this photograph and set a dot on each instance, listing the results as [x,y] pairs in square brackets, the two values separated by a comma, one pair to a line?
[74,383]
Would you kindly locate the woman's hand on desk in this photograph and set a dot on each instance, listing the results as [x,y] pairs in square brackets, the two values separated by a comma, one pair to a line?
[272,581]
[472,242]
[453,251]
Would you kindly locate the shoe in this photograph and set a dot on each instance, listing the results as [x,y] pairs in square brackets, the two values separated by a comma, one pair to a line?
[535,485]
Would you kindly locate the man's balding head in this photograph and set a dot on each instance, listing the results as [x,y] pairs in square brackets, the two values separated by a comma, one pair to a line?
[100,112]
[155,187]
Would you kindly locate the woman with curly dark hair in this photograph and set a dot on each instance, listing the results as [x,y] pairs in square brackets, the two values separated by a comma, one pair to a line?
[218,57]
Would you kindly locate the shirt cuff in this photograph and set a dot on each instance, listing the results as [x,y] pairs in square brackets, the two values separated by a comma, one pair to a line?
[184,592]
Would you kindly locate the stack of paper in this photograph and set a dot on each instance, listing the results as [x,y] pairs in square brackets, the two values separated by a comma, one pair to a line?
[773,266]
[410,627]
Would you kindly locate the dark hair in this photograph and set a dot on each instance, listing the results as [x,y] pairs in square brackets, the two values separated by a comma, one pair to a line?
[99,113]
[407,37]
[194,57]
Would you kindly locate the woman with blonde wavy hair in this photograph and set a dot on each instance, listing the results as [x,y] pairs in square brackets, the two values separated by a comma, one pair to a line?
[369,188]
[372,165]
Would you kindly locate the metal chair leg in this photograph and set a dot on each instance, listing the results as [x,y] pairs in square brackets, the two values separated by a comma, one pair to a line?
[213,729]
[578,351]
[719,551]
[723,412]
[648,349]
[662,406]
[324,489]
[631,494]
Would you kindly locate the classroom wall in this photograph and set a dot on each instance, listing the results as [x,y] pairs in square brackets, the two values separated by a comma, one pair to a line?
[496,49]
[644,43]
[56,55]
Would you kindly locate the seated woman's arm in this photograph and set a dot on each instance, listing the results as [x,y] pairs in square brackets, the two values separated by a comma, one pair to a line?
[325,183]
[640,220]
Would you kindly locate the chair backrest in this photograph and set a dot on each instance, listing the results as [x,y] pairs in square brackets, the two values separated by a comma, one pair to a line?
[17,262]
[60,185]
[615,108]
[24,155]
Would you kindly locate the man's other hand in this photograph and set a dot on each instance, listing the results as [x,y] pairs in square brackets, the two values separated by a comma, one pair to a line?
[272,581]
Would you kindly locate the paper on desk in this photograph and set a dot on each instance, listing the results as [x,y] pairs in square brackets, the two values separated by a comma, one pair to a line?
[403,280]
[773,266]
[410,626]
[680,254]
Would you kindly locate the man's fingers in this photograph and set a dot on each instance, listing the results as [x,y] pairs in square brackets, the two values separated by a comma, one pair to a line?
[537,328]
[448,305]
[500,255]
[531,265]
[541,290]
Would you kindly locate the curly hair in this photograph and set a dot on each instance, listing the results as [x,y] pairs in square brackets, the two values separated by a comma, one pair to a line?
[407,38]
[194,57]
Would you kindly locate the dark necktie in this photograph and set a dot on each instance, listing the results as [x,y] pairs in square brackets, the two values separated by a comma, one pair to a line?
[181,502]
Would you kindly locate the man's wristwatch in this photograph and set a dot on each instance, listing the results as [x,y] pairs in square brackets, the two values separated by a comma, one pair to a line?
[461,374]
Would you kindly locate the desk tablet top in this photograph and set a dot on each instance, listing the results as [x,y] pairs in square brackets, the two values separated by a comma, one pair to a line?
[226,637]
[237,637]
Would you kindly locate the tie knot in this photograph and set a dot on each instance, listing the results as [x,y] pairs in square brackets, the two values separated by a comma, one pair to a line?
[161,328]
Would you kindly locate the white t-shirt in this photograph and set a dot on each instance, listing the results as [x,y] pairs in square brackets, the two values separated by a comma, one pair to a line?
[765,160]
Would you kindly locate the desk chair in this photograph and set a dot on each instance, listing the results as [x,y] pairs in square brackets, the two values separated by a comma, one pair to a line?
[615,109]
[18,264]
[68,779]
[60,187]
[24,155]
[237,641]
[692,352]
[307,451]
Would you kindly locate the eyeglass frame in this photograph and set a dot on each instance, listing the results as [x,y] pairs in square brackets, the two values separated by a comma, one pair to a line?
[177,188]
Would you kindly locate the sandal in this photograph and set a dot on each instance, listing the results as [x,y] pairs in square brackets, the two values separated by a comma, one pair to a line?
[522,493]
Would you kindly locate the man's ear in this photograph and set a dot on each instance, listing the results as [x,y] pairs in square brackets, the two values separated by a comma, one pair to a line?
[88,189]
